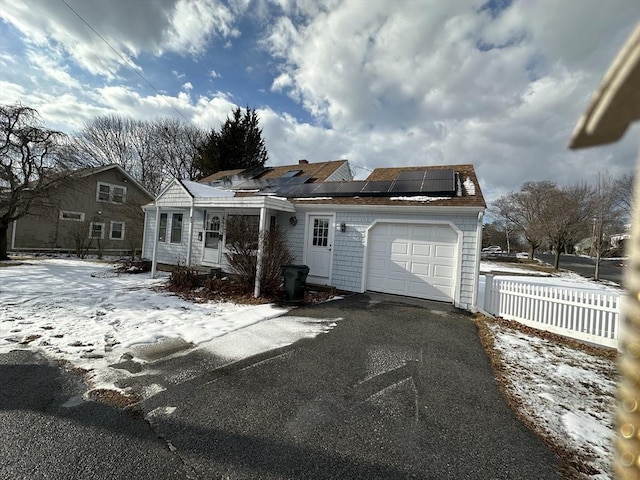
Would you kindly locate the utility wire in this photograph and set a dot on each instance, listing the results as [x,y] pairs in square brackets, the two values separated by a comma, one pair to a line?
[127,61]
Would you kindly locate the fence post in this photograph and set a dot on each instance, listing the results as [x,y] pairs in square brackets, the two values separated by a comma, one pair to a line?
[488,292]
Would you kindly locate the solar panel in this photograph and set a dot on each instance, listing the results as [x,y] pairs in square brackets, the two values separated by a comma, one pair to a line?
[291,173]
[439,174]
[327,188]
[376,187]
[406,187]
[303,190]
[411,175]
[353,187]
[439,186]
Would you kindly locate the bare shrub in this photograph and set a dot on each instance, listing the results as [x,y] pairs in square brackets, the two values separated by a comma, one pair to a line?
[184,279]
[242,244]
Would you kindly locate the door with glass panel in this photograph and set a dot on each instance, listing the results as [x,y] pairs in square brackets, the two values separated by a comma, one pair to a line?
[212,238]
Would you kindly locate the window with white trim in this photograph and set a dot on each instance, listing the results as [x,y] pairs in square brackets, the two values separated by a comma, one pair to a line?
[176,228]
[73,216]
[117,231]
[96,230]
[162,228]
[107,192]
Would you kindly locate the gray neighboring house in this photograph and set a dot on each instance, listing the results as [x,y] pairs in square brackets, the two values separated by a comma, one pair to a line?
[413,231]
[97,209]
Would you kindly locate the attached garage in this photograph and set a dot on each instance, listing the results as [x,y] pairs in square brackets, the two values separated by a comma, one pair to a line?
[414,259]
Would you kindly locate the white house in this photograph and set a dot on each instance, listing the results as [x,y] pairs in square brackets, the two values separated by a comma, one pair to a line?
[413,231]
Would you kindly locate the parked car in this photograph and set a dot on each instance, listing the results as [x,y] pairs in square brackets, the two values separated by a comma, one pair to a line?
[492,249]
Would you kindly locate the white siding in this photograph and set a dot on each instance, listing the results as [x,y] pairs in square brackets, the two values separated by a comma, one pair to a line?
[348,247]
[342,173]
[174,196]
[167,253]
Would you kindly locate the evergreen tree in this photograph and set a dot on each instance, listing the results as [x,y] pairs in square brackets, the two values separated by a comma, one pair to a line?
[238,144]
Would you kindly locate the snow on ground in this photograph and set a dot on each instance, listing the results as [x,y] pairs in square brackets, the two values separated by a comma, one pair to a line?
[567,394]
[82,313]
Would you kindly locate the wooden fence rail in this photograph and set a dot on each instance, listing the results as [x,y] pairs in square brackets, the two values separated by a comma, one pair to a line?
[592,316]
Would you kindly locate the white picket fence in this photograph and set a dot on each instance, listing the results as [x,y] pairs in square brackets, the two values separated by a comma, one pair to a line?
[586,315]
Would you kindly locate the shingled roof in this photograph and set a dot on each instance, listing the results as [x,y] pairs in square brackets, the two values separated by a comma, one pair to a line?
[471,194]
[319,171]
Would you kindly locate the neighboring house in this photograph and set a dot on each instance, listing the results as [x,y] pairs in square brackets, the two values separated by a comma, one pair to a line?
[412,231]
[94,210]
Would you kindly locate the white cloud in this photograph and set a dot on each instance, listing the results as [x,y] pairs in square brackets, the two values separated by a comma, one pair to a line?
[187,86]
[214,74]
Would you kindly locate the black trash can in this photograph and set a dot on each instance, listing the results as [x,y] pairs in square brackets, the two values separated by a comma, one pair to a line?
[295,279]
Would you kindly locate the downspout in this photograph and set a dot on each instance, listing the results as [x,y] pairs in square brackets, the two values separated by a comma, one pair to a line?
[154,262]
[474,301]
[261,234]
[190,234]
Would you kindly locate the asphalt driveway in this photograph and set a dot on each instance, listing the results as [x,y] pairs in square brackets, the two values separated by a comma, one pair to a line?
[399,389]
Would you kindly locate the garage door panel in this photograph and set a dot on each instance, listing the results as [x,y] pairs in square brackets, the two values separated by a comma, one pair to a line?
[412,260]
[421,249]
[421,268]
[444,251]
[442,271]
[399,248]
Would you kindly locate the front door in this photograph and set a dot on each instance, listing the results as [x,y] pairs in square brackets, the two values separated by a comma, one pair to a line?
[212,238]
[319,244]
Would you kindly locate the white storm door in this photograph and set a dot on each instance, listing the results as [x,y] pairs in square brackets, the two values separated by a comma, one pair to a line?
[212,238]
[319,244]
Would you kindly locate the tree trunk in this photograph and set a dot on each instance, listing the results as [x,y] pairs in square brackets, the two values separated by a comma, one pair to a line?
[556,258]
[4,230]
[596,273]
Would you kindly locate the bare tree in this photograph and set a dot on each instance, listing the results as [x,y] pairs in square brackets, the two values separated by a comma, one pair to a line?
[152,152]
[565,216]
[623,188]
[607,212]
[30,163]
[524,211]
[176,147]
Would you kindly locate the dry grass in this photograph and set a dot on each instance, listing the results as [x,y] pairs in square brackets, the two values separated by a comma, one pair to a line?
[573,466]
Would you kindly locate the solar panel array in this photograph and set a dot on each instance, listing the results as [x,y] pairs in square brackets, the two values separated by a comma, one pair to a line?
[433,183]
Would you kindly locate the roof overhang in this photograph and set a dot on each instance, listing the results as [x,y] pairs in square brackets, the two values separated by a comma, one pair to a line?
[272,203]
[616,103]
[394,209]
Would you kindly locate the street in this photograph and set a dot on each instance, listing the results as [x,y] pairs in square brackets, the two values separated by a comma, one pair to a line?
[609,269]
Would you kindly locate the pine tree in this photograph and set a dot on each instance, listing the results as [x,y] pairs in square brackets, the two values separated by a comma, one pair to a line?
[238,144]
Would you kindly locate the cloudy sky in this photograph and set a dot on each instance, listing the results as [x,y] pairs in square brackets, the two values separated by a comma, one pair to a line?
[499,83]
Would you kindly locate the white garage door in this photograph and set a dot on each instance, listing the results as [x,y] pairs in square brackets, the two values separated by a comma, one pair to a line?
[413,260]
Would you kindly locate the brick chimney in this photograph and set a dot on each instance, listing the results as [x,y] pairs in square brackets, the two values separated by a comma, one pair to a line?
[303,162]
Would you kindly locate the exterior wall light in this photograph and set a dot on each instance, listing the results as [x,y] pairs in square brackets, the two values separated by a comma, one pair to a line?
[293,221]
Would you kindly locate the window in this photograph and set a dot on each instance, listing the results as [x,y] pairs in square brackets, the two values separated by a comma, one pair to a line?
[117,231]
[111,193]
[74,216]
[96,230]
[176,228]
[320,232]
[162,228]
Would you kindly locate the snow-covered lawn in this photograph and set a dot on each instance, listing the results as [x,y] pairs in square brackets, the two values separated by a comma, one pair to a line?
[82,313]
[564,392]
[77,311]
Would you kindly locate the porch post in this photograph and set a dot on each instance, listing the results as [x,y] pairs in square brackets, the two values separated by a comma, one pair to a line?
[155,243]
[261,233]
[190,238]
